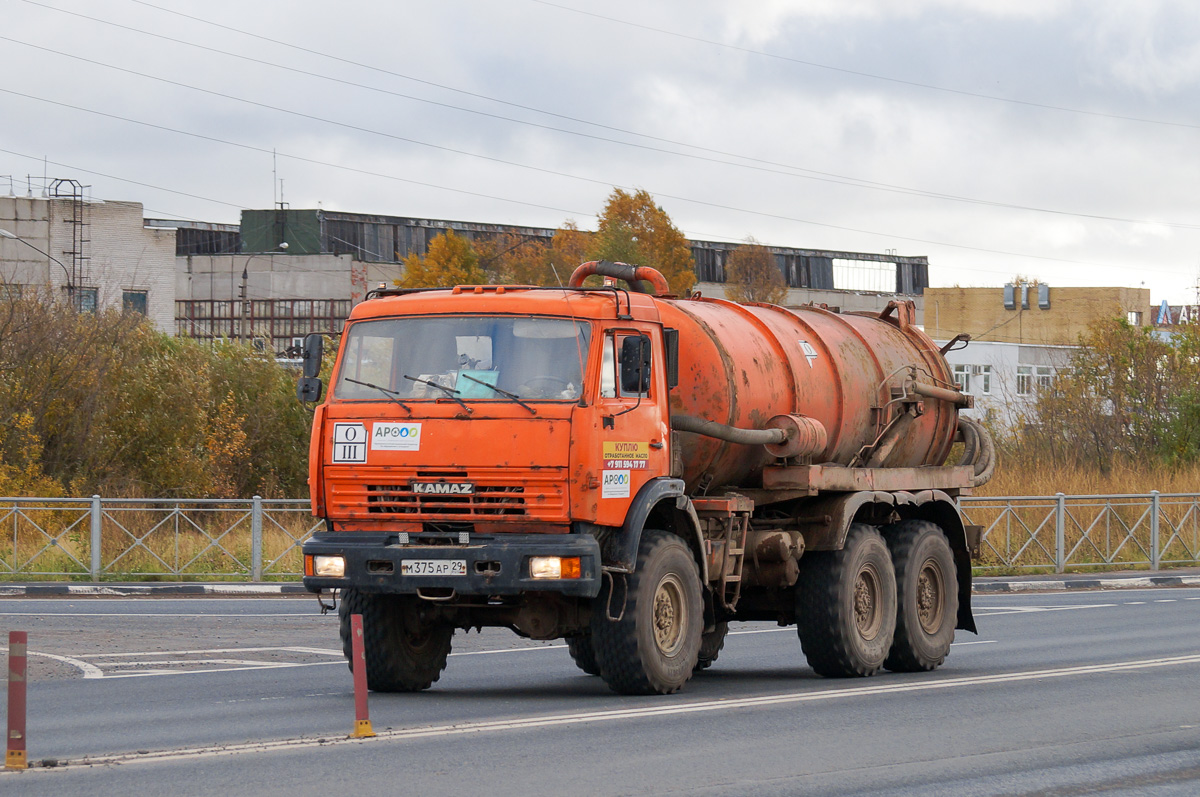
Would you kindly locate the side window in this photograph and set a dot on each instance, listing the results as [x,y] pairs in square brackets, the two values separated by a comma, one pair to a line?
[610,367]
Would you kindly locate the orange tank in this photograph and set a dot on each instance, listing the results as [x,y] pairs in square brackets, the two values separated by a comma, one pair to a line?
[741,365]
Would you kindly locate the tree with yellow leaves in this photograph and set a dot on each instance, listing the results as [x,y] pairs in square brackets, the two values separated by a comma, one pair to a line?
[451,260]
[752,275]
[635,230]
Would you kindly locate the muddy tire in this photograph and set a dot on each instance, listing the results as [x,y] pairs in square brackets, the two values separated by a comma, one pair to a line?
[846,606]
[927,596]
[710,646]
[653,647]
[583,654]
[403,654]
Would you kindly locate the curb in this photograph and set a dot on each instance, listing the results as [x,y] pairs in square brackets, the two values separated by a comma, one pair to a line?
[1078,583]
[147,590]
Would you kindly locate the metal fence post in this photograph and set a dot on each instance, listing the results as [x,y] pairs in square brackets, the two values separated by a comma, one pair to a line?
[96,518]
[1155,556]
[1060,532]
[256,539]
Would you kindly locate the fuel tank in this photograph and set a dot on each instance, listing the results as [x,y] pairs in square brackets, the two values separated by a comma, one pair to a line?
[741,365]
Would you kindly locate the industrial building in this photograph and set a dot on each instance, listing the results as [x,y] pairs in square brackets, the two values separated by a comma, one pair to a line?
[285,272]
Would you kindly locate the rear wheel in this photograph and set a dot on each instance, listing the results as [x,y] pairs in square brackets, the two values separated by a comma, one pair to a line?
[404,653]
[653,647]
[846,605]
[927,592]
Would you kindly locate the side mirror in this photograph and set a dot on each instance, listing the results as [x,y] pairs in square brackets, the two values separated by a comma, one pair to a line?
[635,364]
[314,349]
[308,389]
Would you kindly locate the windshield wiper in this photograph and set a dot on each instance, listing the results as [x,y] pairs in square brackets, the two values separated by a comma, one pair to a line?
[391,394]
[449,391]
[501,391]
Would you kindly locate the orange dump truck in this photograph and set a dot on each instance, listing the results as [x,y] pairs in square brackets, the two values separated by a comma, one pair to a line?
[630,471]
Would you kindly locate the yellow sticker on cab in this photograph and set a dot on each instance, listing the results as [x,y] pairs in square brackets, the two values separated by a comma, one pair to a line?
[626,456]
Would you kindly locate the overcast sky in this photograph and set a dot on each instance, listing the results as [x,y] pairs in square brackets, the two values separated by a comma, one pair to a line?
[1055,140]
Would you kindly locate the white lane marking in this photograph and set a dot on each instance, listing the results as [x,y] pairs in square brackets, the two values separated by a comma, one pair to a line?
[279,666]
[974,642]
[508,650]
[89,670]
[1135,603]
[317,651]
[150,615]
[612,715]
[1037,609]
[1165,600]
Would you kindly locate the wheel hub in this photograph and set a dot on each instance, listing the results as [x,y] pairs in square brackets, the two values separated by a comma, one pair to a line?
[669,615]
[867,591]
[931,603]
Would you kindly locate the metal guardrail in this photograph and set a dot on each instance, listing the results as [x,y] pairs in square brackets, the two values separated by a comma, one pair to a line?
[118,538]
[1086,531]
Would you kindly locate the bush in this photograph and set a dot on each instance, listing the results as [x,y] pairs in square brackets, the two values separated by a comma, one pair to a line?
[105,403]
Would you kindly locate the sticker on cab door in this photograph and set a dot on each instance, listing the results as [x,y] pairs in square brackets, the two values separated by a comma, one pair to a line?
[626,456]
[391,436]
[615,484]
[349,442]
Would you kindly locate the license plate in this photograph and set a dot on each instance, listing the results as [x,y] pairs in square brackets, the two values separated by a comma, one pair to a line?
[433,567]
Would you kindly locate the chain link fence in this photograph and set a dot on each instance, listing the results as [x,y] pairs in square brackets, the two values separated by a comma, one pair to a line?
[259,540]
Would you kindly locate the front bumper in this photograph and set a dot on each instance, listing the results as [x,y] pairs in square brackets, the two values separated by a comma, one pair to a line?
[495,564]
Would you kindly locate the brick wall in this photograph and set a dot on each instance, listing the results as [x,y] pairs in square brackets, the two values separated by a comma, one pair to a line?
[980,312]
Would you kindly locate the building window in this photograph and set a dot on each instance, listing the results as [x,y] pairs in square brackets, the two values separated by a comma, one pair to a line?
[1024,380]
[1045,377]
[1134,317]
[984,374]
[10,291]
[133,302]
[962,377]
[87,299]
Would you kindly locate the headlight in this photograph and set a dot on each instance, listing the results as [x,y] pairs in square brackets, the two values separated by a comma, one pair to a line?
[327,566]
[554,567]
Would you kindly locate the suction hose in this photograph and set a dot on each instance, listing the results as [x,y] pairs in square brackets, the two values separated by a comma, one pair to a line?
[979,451]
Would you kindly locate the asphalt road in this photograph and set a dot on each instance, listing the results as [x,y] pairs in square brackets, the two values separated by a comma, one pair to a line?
[1061,694]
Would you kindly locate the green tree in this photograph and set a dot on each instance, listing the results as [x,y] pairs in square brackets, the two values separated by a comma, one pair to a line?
[633,229]
[752,275]
[451,260]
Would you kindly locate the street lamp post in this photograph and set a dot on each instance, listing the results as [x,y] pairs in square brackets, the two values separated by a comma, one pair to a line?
[70,287]
[244,298]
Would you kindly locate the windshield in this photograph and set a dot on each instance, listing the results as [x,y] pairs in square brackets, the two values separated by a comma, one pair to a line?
[465,357]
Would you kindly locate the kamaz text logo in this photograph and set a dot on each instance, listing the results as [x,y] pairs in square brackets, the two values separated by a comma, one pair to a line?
[442,488]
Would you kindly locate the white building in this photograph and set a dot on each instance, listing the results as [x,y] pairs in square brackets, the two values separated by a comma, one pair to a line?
[1004,377]
[90,253]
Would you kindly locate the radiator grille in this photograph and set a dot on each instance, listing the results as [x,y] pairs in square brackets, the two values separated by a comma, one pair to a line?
[487,501]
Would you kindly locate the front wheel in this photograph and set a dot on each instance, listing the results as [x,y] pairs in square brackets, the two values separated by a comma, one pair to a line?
[404,652]
[654,645]
[927,591]
[710,646]
[583,653]
[846,605]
